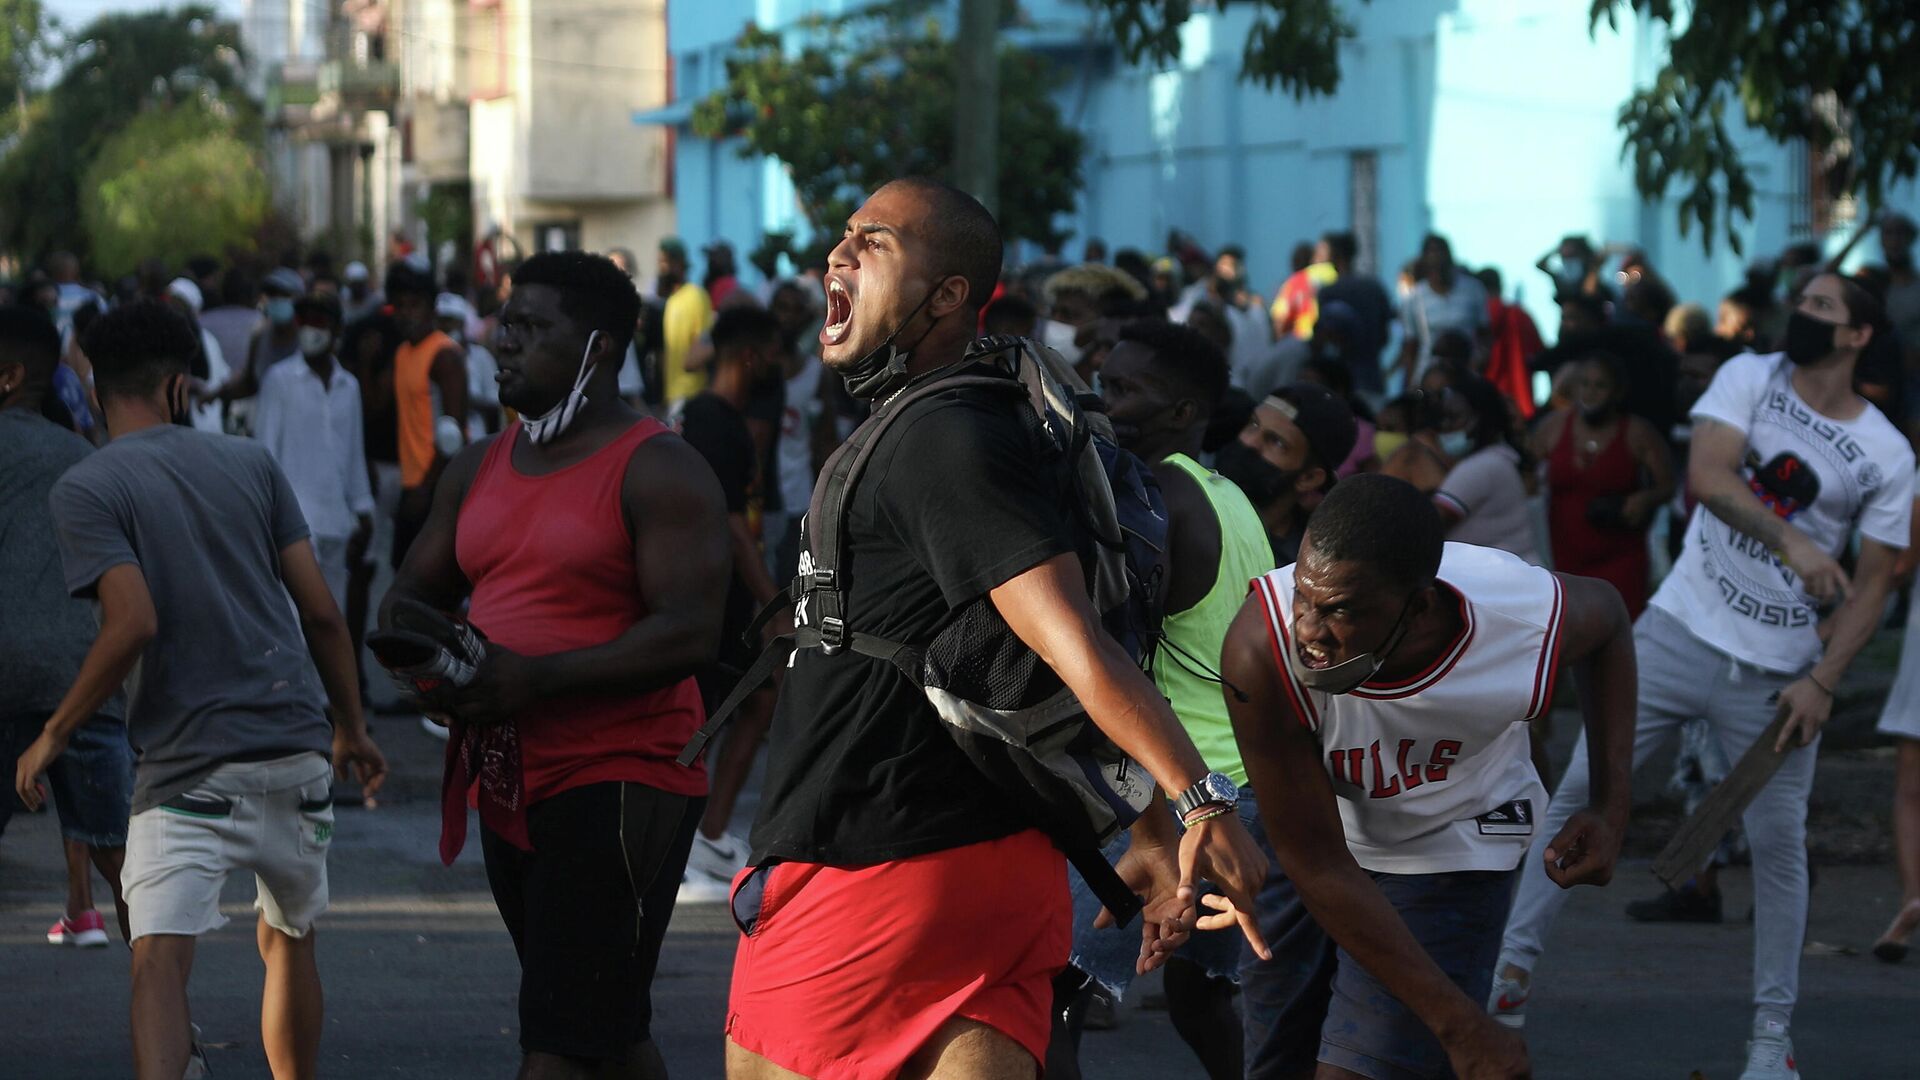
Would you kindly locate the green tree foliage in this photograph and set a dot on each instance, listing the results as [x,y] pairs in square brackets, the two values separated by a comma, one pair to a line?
[1293,45]
[118,67]
[870,97]
[25,30]
[175,179]
[1839,74]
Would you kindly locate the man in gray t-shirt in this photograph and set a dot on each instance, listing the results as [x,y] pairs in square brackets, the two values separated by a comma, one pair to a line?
[203,517]
[194,546]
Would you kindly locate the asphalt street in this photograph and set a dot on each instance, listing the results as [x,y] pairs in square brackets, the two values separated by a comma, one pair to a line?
[421,977]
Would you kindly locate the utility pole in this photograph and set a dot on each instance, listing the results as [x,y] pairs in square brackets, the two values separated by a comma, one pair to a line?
[976,119]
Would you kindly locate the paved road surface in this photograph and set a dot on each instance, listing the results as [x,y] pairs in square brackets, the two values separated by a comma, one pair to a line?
[421,978]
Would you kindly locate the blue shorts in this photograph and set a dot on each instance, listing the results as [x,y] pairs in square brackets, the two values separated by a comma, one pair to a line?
[1314,1002]
[1109,955]
[92,780]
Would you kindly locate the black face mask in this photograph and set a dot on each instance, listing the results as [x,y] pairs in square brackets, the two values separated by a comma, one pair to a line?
[1809,340]
[1260,480]
[884,370]
[1596,414]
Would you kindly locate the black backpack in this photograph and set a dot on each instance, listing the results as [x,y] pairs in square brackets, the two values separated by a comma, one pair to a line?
[1019,725]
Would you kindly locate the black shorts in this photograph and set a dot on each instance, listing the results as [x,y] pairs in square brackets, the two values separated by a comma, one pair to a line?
[587,908]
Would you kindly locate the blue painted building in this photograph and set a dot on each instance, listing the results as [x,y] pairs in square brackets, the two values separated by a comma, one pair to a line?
[1490,121]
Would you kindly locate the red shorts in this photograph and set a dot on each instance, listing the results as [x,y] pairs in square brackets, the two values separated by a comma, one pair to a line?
[845,974]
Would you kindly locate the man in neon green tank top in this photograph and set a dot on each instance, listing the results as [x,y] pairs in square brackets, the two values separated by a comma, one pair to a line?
[1160,384]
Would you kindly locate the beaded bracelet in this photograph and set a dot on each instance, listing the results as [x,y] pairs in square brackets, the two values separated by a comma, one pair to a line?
[1209,815]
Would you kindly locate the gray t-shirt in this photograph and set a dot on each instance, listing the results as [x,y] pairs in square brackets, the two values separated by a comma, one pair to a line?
[203,517]
[1486,490]
[44,633]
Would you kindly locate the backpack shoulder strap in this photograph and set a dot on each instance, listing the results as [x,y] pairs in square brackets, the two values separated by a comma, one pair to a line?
[822,594]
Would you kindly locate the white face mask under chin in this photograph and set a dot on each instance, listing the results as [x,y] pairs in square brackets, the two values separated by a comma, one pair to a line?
[551,424]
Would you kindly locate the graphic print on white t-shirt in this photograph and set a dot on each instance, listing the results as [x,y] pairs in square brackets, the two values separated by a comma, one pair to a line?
[1826,477]
[1435,774]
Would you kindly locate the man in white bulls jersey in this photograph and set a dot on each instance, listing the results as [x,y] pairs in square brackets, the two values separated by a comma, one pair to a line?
[1380,690]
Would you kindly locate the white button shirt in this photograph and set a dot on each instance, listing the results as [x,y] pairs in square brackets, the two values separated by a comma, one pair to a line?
[313,430]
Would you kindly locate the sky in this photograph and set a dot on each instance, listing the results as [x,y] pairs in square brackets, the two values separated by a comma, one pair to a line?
[77,13]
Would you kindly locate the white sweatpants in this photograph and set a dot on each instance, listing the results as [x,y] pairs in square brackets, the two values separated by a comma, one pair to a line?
[1682,677]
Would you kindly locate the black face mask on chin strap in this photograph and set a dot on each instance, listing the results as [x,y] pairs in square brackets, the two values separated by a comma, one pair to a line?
[884,370]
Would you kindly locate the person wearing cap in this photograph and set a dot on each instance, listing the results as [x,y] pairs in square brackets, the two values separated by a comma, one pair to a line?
[308,418]
[425,360]
[360,298]
[451,314]
[275,340]
[689,311]
[722,280]
[1287,457]
[280,338]
[1161,384]
[185,297]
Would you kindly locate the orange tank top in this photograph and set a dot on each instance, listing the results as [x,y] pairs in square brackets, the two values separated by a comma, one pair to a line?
[413,404]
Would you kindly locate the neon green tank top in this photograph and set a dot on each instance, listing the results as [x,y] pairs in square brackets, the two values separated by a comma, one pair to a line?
[1187,666]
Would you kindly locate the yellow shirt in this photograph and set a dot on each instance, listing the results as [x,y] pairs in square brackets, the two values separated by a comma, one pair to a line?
[688,315]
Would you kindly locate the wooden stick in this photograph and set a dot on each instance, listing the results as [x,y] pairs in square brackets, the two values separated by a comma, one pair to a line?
[1693,844]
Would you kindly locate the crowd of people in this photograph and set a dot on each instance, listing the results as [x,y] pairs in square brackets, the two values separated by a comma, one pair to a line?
[622,507]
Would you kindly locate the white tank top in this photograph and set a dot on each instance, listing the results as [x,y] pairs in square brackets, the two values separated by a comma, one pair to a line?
[1434,773]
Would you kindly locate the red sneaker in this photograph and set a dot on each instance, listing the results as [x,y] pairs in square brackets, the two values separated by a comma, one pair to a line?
[89,931]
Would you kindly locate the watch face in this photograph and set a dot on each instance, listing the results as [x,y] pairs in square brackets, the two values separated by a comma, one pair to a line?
[1221,788]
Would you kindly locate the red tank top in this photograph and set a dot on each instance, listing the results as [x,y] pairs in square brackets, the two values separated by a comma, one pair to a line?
[552,565]
[1618,556]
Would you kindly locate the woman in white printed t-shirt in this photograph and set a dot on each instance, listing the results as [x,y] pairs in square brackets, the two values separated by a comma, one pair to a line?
[1788,462]
[1901,719]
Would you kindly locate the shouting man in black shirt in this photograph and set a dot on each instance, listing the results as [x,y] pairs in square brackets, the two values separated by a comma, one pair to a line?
[902,918]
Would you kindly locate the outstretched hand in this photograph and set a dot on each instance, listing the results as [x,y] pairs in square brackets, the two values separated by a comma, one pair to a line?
[1166,918]
[1221,850]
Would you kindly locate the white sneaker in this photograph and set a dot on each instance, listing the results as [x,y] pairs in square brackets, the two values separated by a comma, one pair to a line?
[699,888]
[197,1067]
[1507,1001]
[720,858]
[438,731]
[1770,1053]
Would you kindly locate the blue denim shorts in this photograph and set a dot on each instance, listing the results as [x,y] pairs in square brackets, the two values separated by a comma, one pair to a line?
[1314,1002]
[92,780]
[1109,955]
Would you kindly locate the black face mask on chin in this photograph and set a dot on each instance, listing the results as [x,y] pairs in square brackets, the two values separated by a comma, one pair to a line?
[1809,340]
[1260,480]
[884,370]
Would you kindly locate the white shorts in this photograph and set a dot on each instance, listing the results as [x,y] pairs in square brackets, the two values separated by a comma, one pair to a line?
[273,817]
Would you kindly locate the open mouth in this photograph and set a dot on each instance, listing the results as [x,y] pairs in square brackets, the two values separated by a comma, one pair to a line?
[1313,656]
[839,314]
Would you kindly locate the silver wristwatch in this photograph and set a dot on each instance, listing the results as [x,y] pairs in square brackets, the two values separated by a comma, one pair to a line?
[1213,788]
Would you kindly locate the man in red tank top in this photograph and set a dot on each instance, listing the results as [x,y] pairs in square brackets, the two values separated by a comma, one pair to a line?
[591,543]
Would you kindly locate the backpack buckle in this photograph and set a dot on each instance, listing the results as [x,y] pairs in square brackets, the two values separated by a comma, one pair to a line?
[823,578]
[833,634]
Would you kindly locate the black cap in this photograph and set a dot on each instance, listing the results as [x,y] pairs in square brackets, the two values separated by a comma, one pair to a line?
[1323,417]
